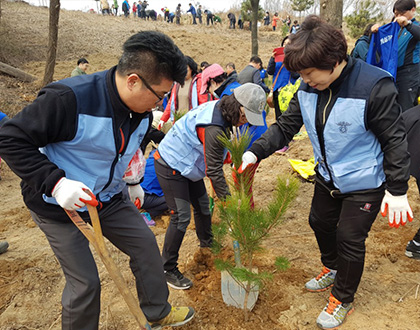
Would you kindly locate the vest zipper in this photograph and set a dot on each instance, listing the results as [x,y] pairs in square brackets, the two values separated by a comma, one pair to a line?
[325,108]
[324,156]
[119,154]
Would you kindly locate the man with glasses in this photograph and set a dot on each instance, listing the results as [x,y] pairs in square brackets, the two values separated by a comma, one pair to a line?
[79,135]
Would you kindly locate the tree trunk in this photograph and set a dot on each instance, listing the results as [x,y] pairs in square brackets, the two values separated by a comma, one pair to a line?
[17,73]
[332,12]
[52,41]
[255,4]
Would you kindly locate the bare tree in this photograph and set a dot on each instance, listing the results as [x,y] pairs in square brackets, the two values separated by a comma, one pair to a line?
[273,6]
[332,12]
[52,41]
[255,5]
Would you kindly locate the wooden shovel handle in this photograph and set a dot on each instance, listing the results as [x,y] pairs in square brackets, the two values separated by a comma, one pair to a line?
[96,238]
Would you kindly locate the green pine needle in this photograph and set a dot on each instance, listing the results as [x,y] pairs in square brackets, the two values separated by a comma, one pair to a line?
[282,263]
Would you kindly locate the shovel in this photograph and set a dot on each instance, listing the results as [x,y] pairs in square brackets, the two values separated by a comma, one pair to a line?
[233,291]
[96,238]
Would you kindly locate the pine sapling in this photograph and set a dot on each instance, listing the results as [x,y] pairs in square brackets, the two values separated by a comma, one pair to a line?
[247,225]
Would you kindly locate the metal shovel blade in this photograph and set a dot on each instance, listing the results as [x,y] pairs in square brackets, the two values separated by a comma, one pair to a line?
[233,293]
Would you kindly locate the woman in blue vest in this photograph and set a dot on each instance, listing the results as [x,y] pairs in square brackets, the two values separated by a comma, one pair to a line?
[190,151]
[354,123]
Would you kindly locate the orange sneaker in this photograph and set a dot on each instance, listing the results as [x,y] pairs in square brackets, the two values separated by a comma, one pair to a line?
[322,282]
[334,314]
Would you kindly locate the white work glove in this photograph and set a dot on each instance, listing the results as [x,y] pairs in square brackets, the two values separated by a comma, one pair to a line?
[161,123]
[397,208]
[72,195]
[248,158]
[136,194]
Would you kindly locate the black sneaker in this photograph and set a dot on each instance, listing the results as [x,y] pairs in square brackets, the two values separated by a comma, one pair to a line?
[176,280]
[412,250]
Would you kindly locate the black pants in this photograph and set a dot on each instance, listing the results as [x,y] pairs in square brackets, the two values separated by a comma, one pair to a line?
[341,225]
[154,204]
[180,193]
[123,225]
[408,86]
[277,110]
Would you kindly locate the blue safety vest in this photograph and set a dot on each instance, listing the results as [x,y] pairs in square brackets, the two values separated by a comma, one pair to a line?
[181,148]
[92,156]
[353,155]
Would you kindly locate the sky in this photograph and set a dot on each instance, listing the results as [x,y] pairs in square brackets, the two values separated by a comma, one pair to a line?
[85,5]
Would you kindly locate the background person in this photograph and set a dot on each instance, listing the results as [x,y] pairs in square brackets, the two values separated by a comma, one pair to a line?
[193,13]
[251,73]
[361,46]
[281,76]
[81,68]
[184,97]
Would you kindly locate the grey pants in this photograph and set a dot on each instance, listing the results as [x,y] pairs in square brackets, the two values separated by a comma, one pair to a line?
[122,224]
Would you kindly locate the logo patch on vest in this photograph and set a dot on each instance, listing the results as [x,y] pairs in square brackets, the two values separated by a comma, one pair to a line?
[343,126]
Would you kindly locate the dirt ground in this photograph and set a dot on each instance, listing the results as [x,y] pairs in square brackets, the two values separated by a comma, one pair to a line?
[31,280]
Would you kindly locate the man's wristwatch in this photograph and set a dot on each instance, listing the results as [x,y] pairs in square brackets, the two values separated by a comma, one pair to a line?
[409,23]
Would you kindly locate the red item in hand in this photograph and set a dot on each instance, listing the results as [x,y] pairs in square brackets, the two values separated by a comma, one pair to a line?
[279,54]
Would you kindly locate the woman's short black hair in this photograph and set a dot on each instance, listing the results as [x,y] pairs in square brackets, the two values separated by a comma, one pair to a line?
[317,44]
[192,64]
[230,108]
[368,30]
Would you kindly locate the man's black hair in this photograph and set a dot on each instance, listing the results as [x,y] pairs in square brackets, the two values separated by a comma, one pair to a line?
[403,5]
[256,59]
[82,61]
[192,64]
[154,56]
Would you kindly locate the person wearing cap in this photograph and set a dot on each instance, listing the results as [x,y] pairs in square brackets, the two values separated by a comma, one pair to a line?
[354,122]
[190,151]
